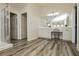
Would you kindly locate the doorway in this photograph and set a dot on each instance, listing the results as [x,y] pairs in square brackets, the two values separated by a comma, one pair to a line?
[75,24]
[13,27]
[24,25]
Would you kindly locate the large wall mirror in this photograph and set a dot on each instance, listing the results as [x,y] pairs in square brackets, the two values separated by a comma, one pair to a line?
[57,19]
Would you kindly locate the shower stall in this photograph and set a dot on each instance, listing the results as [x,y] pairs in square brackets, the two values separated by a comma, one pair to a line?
[5,28]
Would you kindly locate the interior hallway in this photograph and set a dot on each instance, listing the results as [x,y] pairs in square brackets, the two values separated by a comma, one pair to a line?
[41,47]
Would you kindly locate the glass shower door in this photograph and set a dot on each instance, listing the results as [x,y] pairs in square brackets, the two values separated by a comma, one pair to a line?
[5,29]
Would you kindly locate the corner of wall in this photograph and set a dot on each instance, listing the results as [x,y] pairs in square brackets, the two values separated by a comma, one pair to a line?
[29,39]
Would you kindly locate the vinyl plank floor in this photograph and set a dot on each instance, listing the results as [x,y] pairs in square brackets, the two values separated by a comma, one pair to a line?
[41,47]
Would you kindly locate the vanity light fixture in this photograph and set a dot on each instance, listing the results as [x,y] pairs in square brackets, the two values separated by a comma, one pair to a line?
[53,14]
[58,25]
[49,25]
[61,25]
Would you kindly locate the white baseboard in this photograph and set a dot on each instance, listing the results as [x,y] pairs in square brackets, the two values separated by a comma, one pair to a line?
[32,39]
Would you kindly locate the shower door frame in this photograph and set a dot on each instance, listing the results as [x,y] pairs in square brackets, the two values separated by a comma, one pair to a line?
[5,28]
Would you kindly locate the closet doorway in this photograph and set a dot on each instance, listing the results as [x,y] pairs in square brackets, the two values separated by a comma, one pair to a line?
[24,25]
[13,27]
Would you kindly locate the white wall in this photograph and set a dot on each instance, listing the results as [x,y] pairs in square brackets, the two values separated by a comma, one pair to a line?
[48,8]
[59,7]
[2,6]
[33,18]
[78,26]
[0,25]
[73,24]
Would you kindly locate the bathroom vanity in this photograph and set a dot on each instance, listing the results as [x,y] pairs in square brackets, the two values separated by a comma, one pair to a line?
[45,32]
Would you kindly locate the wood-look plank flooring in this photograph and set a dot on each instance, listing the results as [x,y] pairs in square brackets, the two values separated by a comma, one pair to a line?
[41,47]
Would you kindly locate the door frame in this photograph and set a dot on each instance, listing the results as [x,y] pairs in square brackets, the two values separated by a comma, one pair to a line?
[10,24]
[26,23]
[75,24]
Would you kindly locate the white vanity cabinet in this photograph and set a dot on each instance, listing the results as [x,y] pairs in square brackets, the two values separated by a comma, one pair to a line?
[67,34]
[45,32]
